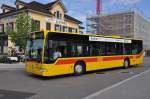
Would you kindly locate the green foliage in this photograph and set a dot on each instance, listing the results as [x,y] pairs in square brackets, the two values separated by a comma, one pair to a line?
[35,25]
[20,34]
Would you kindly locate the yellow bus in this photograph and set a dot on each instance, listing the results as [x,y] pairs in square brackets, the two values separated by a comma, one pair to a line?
[58,53]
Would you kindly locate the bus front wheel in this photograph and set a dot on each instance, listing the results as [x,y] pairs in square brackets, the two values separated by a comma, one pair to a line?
[126,63]
[79,69]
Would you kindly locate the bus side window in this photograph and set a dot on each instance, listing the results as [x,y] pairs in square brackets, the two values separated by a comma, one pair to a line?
[86,50]
[73,50]
[98,49]
[62,45]
[136,47]
[79,50]
[119,48]
[140,46]
[127,48]
[102,49]
[95,49]
[110,48]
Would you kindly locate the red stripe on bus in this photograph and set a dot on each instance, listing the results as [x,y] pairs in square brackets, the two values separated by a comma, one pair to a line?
[68,61]
[112,58]
[131,57]
[72,61]
[90,59]
[138,56]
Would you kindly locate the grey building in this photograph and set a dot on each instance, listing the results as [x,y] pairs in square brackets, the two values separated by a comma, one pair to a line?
[131,24]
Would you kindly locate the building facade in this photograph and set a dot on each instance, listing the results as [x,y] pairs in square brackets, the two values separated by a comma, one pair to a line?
[131,24]
[51,16]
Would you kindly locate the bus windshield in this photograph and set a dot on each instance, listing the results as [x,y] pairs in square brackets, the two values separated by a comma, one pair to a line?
[34,48]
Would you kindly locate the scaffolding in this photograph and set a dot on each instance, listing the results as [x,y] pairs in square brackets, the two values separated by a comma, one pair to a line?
[113,24]
[130,24]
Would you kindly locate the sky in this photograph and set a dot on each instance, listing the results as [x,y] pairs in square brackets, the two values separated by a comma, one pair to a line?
[82,8]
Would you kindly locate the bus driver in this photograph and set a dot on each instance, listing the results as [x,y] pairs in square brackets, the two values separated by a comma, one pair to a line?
[57,53]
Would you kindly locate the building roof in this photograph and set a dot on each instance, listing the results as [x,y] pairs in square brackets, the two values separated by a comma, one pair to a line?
[71,18]
[36,6]
[50,4]
[21,2]
[9,7]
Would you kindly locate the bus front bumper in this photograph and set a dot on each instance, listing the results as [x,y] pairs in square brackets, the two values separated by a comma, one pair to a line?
[38,69]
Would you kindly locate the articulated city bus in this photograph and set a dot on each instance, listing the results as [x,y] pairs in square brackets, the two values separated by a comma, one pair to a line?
[56,53]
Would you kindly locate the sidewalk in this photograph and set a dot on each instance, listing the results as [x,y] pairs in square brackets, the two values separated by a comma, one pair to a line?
[16,66]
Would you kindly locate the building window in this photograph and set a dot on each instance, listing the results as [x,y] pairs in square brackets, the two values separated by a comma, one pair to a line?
[110,27]
[65,29]
[17,6]
[55,14]
[35,25]
[128,18]
[57,27]
[72,30]
[69,29]
[10,26]
[76,30]
[1,27]
[48,26]
[58,15]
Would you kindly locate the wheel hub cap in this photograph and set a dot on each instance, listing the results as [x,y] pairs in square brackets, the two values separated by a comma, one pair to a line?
[78,68]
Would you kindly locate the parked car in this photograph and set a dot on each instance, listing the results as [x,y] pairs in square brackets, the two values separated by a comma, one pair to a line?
[12,59]
[21,57]
[8,59]
[3,58]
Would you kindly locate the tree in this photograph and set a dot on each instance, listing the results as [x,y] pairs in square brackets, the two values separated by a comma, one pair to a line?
[23,27]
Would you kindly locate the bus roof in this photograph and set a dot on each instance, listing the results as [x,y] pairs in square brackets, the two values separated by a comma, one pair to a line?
[94,35]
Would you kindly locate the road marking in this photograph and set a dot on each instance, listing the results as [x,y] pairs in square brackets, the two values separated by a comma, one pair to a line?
[115,85]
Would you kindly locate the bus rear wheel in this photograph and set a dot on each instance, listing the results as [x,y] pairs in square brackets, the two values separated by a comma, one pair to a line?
[126,63]
[79,69]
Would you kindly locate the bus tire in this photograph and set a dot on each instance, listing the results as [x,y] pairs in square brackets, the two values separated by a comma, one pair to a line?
[79,68]
[126,63]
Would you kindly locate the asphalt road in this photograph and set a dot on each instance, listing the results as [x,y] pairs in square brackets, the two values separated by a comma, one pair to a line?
[16,66]
[106,84]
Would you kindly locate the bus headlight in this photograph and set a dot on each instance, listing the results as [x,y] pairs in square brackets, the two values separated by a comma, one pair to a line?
[43,70]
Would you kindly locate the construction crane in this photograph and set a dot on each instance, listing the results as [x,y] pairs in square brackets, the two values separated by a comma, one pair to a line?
[98,7]
[94,22]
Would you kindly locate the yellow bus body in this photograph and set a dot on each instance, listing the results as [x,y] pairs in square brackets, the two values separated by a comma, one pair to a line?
[102,62]
[66,65]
